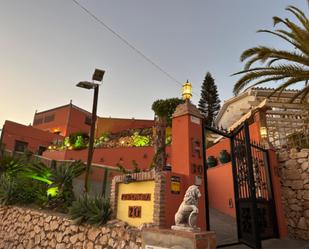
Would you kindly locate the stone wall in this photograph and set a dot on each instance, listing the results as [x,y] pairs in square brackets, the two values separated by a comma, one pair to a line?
[22,228]
[294,174]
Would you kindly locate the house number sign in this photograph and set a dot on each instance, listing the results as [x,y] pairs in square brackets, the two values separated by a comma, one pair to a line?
[135,211]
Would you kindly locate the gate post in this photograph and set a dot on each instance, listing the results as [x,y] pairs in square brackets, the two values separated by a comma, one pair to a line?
[187,151]
[277,194]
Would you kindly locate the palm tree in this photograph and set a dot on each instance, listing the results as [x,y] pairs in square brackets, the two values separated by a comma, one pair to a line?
[284,67]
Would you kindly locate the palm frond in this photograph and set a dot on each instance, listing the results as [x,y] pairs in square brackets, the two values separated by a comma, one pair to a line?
[299,15]
[279,35]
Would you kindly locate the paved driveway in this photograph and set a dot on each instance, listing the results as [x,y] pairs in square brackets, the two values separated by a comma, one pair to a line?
[277,244]
[224,225]
[226,231]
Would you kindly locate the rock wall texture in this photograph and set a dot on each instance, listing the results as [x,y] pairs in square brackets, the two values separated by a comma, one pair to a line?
[22,228]
[294,173]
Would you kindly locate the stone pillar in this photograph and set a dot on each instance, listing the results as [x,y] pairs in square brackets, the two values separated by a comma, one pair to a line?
[164,239]
[187,154]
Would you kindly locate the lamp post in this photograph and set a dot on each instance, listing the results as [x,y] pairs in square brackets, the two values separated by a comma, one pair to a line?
[187,91]
[98,77]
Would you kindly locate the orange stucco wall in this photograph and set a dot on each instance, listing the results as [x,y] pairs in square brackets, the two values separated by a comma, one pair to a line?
[223,144]
[67,119]
[111,156]
[34,137]
[77,121]
[104,125]
[221,188]
[172,200]
[254,130]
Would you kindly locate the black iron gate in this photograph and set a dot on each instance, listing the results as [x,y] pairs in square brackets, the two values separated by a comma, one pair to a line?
[255,208]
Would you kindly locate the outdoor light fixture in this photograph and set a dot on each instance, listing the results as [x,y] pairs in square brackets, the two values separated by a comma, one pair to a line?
[56,130]
[87,85]
[97,76]
[127,179]
[187,91]
[263,132]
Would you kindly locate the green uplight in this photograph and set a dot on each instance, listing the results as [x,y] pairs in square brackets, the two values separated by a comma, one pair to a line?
[53,192]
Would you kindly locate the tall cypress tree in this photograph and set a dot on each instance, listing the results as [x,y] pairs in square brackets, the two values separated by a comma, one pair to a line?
[209,103]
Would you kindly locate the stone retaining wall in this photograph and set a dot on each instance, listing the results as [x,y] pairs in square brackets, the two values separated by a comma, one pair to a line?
[294,174]
[22,228]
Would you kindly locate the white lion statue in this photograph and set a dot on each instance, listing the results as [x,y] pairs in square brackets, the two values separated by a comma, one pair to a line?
[186,216]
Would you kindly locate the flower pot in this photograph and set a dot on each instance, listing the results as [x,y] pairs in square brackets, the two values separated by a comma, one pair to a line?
[224,157]
[211,161]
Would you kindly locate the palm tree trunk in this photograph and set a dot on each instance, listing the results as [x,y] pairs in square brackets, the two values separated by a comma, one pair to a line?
[159,143]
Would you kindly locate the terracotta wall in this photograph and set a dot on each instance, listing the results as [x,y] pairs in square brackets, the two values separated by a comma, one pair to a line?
[60,121]
[119,124]
[254,129]
[215,150]
[77,121]
[221,189]
[67,119]
[111,156]
[224,143]
[34,137]
[172,200]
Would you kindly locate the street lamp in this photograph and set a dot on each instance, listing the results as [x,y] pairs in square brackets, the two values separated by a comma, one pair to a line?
[187,91]
[98,77]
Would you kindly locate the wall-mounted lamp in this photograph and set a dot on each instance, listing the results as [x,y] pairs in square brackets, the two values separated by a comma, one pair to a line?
[127,179]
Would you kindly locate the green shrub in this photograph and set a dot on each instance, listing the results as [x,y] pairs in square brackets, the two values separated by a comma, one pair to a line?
[91,210]
[140,141]
[79,143]
[62,182]
[166,108]
[74,136]
[25,181]
[7,189]
[10,165]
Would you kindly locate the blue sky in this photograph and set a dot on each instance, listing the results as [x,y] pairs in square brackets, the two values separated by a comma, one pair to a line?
[48,46]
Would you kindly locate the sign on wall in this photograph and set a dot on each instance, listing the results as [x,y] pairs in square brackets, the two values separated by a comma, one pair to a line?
[195,120]
[136,197]
[175,185]
[135,202]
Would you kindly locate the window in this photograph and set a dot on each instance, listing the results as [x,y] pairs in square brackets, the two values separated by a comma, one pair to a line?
[49,118]
[38,121]
[88,120]
[20,146]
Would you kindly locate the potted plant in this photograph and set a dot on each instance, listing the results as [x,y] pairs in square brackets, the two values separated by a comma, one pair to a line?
[211,161]
[224,156]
